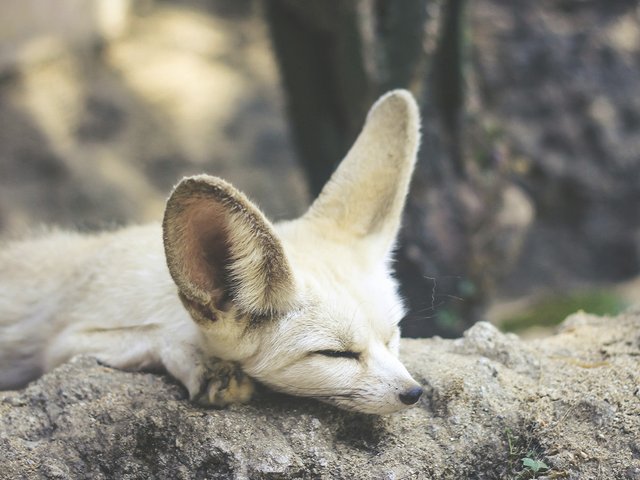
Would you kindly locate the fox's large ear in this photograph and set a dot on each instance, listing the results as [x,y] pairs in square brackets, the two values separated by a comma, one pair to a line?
[366,194]
[220,247]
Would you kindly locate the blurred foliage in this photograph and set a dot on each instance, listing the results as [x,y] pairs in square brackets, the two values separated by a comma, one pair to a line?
[553,309]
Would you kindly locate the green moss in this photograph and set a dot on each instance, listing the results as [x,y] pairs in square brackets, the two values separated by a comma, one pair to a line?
[553,309]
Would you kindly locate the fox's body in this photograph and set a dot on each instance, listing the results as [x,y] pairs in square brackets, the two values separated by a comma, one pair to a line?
[308,307]
[65,294]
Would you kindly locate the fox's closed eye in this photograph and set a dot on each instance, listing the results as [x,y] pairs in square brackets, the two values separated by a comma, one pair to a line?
[338,354]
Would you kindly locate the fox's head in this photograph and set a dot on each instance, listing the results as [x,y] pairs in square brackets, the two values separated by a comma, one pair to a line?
[308,307]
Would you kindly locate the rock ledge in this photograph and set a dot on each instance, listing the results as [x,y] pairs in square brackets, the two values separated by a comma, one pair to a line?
[571,400]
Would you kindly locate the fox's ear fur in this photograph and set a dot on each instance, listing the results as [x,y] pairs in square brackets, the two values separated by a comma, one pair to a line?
[220,247]
[366,194]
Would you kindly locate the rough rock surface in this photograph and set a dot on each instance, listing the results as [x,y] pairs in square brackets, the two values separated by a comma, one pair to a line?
[571,401]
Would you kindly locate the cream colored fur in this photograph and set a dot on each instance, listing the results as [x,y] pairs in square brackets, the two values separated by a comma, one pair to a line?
[308,307]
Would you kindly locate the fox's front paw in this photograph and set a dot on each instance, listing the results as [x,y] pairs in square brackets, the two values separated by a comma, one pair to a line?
[224,383]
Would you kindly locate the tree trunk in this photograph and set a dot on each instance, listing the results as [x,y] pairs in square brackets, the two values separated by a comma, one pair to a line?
[464,221]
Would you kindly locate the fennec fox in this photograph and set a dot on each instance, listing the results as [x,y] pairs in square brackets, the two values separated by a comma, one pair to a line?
[307,307]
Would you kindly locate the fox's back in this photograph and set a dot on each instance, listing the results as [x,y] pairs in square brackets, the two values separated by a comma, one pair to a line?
[36,277]
[64,282]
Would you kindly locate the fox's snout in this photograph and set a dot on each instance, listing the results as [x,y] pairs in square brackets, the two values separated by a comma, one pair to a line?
[372,381]
[411,396]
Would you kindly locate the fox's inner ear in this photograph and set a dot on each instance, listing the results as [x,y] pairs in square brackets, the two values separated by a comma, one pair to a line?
[220,247]
[365,196]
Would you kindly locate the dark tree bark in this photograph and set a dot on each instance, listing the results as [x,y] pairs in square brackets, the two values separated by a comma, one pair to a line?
[334,66]
[464,220]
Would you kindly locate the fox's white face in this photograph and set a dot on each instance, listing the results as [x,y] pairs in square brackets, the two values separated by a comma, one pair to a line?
[341,344]
[308,307]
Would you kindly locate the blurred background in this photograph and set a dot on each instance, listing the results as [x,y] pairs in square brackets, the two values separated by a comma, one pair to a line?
[525,206]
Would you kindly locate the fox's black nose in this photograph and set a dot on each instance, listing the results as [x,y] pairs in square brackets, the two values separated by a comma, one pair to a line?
[411,396]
